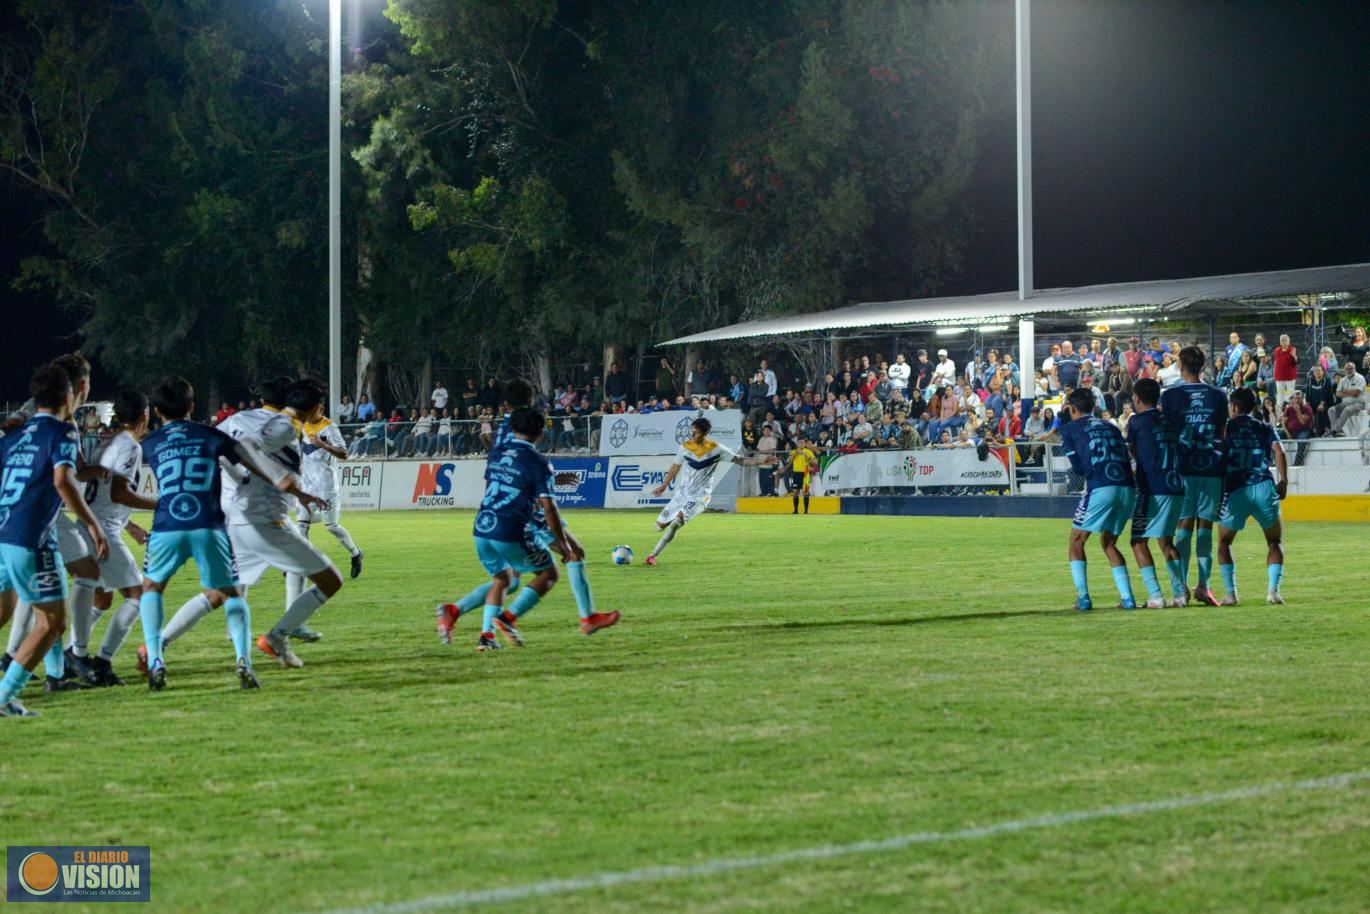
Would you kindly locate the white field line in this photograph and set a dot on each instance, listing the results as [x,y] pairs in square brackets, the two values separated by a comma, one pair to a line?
[610,880]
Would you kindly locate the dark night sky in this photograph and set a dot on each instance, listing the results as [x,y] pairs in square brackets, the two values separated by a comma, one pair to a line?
[1171,138]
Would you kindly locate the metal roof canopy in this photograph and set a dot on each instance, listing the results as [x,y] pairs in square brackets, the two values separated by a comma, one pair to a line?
[1256,291]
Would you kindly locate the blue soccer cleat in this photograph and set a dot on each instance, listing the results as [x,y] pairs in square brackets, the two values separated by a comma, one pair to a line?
[1084,604]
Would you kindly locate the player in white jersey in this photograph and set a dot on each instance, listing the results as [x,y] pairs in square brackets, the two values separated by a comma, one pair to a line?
[258,518]
[111,502]
[321,448]
[697,464]
[63,668]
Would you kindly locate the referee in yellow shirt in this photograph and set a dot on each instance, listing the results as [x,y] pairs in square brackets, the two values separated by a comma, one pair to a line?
[803,464]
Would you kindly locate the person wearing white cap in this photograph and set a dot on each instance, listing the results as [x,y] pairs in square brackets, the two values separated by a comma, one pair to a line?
[945,372]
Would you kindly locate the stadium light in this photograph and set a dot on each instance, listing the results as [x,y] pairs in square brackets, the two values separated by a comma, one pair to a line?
[990,328]
[950,331]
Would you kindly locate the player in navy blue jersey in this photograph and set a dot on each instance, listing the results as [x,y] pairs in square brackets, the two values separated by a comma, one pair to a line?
[1249,491]
[38,477]
[189,521]
[518,485]
[1155,446]
[1199,412]
[1097,452]
[519,393]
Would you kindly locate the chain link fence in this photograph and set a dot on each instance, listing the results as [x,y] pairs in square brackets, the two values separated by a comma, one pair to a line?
[463,438]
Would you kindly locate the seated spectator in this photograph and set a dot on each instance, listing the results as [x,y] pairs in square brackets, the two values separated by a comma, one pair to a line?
[750,435]
[887,433]
[1351,400]
[861,432]
[1222,372]
[366,410]
[347,411]
[224,412]
[884,389]
[1169,374]
[487,430]
[1124,417]
[909,437]
[1244,375]
[1008,427]
[874,409]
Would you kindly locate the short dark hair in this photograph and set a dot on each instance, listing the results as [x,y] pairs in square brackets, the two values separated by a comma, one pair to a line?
[173,398]
[75,365]
[273,390]
[525,420]
[129,407]
[1147,391]
[1192,360]
[304,395]
[1243,399]
[1082,400]
[50,386]
[704,425]
[519,393]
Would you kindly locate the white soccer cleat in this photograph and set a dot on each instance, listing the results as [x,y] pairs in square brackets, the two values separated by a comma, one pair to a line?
[1157,603]
[278,646]
[1274,598]
[1229,599]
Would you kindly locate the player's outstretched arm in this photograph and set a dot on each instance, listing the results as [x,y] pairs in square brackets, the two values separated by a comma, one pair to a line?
[666,483]
[752,461]
[64,481]
[121,494]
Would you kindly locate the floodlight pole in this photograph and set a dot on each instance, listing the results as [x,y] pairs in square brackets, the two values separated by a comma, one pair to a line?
[334,207]
[1022,10]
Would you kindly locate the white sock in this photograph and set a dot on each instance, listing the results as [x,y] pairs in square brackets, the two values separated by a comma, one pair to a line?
[340,533]
[195,609]
[82,601]
[294,585]
[667,535]
[20,623]
[299,611]
[120,623]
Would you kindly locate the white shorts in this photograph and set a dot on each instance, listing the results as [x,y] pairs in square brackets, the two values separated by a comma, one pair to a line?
[282,547]
[70,541]
[314,515]
[686,506]
[119,570]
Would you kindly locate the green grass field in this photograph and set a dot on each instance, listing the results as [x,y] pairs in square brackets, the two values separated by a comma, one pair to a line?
[778,683]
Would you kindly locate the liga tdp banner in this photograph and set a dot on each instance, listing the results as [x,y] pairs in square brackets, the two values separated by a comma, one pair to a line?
[958,466]
[636,435]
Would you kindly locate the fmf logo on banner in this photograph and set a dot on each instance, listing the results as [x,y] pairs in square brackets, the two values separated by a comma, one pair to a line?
[433,487]
[78,873]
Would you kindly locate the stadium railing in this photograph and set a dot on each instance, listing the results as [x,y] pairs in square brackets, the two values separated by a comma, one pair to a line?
[461,439]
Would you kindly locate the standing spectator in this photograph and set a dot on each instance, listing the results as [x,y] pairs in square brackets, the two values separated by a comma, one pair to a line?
[944,374]
[1350,398]
[665,380]
[439,398]
[1356,347]
[470,397]
[922,373]
[766,446]
[1132,358]
[442,442]
[1298,424]
[757,398]
[366,410]
[1068,366]
[1111,355]
[1286,371]
[749,434]
[1244,375]
[347,411]
[769,377]
[900,373]
[1222,372]
[1235,348]
[616,384]
[490,396]
[737,391]
[1321,397]
[1265,375]
[1049,370]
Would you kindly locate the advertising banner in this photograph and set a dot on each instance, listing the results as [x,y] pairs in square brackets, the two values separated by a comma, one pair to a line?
[586,490]
[359,485]
[432,484]
[914,469]
[632,479]
[633,435]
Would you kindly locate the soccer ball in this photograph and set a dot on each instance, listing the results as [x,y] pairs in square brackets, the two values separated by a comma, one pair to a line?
[623,555]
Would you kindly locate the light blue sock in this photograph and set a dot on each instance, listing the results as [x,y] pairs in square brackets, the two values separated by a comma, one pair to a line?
[473,599]
[524,602]
[1176,572]
[1124,583]
[1153,586]
[1229,573]
[54,661]
[1184,542]
[1203,550]
[239,619]
[580,586]
[16,677]
[487,624]
[151,610]
[1274,575]
[1077,574]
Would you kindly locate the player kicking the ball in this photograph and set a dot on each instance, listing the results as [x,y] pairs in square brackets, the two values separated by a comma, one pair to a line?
[1250,492]
[696,463]
[1097,452]
[1155,446]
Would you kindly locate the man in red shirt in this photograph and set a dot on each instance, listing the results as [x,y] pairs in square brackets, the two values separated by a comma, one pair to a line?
[224,412]
[1298,422]
[1286,371]
[1132,358]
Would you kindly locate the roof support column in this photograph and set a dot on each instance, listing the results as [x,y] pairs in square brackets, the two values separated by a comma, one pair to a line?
[1027,363]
